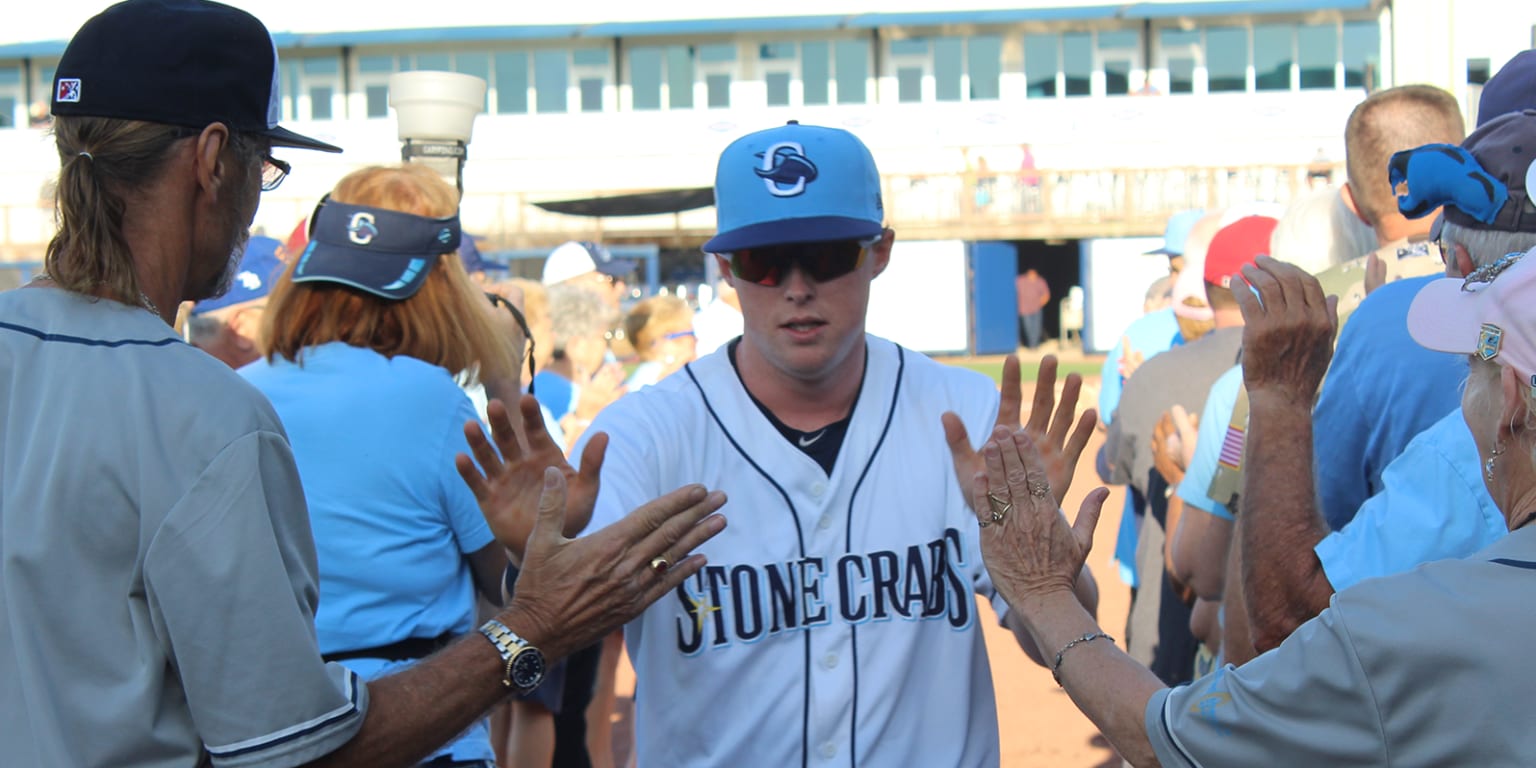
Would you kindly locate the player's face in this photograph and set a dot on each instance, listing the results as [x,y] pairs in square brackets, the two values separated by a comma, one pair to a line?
[804,305]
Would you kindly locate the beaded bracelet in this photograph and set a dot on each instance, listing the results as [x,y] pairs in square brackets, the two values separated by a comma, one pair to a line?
[1056,667]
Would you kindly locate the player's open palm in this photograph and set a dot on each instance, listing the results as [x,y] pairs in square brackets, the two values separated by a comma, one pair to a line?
[1050,425]
[508,481]
[578,590]
[1288,331]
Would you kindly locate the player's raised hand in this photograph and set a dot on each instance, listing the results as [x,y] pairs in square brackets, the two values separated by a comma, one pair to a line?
[509,479]
[1050,428]
[1050,425]
[575,591]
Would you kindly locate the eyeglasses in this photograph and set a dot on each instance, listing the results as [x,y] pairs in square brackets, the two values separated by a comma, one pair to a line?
[273,171]
[522,324]
[769,265]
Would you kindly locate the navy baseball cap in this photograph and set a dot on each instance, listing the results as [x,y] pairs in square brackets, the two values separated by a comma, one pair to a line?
[1485,183]
[176,62]
[386,253]
[795,184]
[469,253]
[1176,234]
[259,269]
[1513,89]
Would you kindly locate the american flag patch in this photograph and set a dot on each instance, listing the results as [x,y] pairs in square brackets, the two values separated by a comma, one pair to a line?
[1232,448]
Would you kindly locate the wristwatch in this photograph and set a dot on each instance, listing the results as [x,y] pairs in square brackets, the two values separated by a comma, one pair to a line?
[524,663]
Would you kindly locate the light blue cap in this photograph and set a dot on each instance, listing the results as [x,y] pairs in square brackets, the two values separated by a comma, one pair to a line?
[1177,232]
[795,184]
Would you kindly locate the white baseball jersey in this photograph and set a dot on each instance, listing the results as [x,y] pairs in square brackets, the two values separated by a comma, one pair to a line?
[836,621]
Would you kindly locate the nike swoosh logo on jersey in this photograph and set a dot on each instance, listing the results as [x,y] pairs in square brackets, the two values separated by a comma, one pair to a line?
[806,442]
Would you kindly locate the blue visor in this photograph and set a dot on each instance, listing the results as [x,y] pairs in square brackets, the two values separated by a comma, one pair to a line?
[386,253]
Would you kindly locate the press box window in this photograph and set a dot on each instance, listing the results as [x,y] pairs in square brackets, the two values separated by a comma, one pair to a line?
[1118,52]
[1317,55]
[1362,54]
[1226,59]
[510,69]
[661,74]
[910,58]
[717,64]
[1077,63]
[11,97]
[1041,65]
[777,62]
[1273,51]
[590,67]
[1181,53]
[851,58]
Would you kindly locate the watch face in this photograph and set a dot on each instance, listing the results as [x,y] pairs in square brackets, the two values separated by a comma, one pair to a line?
[528,669]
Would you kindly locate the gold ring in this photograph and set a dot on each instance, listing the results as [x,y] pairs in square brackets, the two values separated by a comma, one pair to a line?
[660,565]
[1000,506]
[1039,489]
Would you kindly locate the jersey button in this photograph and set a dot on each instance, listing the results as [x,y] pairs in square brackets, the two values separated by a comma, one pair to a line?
[818,488]
[829,750]
[829,661]
[825,522]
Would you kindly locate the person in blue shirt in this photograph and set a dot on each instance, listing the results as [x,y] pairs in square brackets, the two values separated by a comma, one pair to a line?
[363,347]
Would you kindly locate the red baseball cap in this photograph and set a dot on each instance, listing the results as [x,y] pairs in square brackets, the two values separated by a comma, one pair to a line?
[1235,245]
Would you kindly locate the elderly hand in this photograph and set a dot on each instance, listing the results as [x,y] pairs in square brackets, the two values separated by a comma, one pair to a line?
[509,489]
[575,591]
[1049,429]
[1289,331]
[1029,548]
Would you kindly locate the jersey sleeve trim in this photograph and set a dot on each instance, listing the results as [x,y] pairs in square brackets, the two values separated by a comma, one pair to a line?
[332,719]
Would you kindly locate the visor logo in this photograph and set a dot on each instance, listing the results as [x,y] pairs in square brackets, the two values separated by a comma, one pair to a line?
[361,229]
[785,169]
[1489,339]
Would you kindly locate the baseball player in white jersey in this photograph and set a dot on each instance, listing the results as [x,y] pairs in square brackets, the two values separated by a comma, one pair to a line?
[836,621]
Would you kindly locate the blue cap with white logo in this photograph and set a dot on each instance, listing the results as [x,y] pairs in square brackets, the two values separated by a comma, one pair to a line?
[259,269]
[383,252]
[795,184]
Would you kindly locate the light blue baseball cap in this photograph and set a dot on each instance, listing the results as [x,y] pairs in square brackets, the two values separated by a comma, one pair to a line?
[795,184]
[1176,234]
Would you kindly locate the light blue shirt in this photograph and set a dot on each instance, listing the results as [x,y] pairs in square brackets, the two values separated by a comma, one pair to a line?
[1382,389]
[555,392]
[1432,506]
[374,439]
[1151,334]
[1214,420]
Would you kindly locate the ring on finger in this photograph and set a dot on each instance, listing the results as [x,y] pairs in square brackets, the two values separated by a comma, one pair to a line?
[1039,489]
[660,565]
[1000,506]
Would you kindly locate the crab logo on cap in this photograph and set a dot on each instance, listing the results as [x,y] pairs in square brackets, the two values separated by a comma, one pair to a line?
[1489,339]
[785,169]
[361,229]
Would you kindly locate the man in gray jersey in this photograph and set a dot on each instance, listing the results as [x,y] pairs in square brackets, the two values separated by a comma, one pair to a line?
[159,577]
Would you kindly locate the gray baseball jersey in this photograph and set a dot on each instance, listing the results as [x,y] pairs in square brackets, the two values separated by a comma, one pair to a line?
[158,591]
[1427,668]
[836,622]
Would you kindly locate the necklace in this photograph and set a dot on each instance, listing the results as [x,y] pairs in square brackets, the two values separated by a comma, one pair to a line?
[147,304]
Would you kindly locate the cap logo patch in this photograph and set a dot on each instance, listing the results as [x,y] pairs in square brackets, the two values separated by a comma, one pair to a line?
[785,169]
[1488,341]
[249,280]
[445,235]
[69,90]
[361,229]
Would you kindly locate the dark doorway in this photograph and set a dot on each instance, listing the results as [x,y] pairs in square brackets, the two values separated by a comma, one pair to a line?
[1059,262]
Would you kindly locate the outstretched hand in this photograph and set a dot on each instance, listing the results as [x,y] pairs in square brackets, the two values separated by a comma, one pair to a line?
[1059,444]
[1029,548]
[1288,332]
[508,481]
[572,592]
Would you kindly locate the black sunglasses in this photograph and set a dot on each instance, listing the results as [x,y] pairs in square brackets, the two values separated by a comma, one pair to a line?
[522,324]
[769,265]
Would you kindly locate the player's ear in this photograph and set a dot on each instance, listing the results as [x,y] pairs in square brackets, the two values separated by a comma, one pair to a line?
[724,266]
[881,251]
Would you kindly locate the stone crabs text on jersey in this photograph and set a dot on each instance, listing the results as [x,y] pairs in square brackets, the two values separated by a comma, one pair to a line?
[724,604]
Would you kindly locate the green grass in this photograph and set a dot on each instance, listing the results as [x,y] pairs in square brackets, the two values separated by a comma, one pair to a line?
[1028,371]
